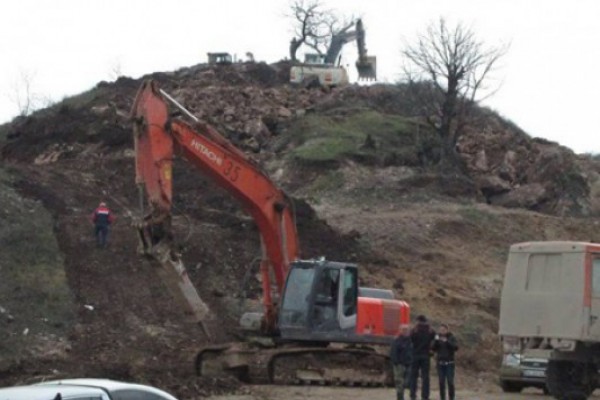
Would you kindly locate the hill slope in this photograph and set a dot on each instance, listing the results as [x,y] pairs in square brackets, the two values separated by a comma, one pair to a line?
[359,156]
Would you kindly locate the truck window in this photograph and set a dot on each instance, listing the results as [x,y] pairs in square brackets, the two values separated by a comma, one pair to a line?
[544,273]
[596,277]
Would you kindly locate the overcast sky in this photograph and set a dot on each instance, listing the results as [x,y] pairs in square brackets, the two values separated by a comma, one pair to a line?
[550,80]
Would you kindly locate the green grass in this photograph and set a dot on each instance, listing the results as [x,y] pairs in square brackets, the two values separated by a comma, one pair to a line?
[477,216]
[33,283]
[325,148]
[330,180]
[319,138]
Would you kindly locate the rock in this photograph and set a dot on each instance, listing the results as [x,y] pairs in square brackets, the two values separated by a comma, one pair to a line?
[284,112]
[508,168]
[530,196]
[456,185]
[481,162]
[257,129]
[100,110]
[252,144]
[491,185]
[300,112]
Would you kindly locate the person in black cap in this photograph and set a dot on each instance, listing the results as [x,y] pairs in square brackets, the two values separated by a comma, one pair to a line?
[422,337]
[445,346]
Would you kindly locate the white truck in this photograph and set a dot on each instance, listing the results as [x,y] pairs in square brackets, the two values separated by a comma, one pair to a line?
[551,301]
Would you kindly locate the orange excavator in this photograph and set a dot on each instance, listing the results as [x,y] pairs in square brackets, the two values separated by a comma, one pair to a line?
[321,325]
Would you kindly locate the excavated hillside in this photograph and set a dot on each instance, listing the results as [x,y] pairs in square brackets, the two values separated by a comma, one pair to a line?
[362,167]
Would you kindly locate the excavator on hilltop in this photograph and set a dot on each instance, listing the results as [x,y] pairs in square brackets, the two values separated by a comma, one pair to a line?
[315,313]
[325,70]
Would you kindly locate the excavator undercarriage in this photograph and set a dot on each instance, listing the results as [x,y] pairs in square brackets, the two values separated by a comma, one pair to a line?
[294,364]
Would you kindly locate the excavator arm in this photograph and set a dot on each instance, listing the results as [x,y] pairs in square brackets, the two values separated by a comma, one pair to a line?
[157,136]
[337,43]
[365,65]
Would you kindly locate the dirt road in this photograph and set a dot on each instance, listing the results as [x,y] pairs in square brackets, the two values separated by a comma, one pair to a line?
[329,393]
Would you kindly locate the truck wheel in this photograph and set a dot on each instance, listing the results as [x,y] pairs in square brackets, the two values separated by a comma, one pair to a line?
[511,387]
[570,380]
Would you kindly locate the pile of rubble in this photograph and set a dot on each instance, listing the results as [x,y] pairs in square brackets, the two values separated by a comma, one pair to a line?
[513,170]
[250,103]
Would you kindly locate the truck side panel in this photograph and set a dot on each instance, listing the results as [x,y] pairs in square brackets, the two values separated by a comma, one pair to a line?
[543,295]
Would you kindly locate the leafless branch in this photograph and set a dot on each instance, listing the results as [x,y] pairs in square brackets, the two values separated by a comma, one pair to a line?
[316,26]
[456,65]
[23,94]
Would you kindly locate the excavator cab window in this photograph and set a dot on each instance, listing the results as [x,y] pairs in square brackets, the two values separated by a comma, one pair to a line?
[327,287]
[326,299]
[350,290]
[296,301]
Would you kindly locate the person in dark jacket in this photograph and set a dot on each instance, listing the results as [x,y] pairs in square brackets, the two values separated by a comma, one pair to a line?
[102,218]
[422,337]
[401,355]
[445,346]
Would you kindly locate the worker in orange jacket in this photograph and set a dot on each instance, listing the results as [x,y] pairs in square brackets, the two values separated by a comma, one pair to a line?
[102,218]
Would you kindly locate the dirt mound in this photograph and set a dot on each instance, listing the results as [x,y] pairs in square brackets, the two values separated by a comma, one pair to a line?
[252,105]
[356,155]
[127,326]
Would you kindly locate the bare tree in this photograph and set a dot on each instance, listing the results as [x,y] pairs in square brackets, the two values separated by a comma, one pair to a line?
[317,27]
[115,69]
[308,18]
[332,34]
[22,93]
[447,68]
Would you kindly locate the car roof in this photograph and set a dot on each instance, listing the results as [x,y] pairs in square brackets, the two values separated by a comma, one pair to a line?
[49,392]
[109,385]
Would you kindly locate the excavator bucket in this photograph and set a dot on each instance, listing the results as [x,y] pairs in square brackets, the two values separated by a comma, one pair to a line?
[367,68]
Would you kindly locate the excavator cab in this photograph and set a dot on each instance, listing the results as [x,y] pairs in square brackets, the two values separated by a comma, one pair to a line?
[322,302]
[319,299]
[219,58]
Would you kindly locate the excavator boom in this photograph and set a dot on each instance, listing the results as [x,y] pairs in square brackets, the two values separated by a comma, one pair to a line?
[156,138]
[366,65]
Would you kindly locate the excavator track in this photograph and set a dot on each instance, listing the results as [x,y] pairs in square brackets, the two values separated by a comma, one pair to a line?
[337,366]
